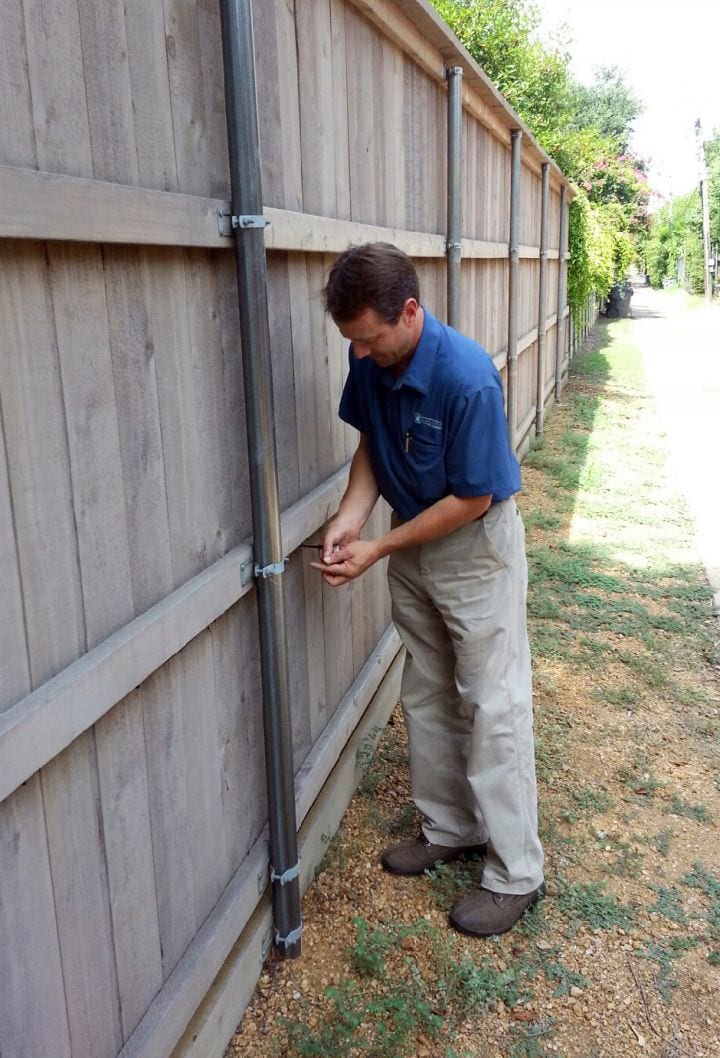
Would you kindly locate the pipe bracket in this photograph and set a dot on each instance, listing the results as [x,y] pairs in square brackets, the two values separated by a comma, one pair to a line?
[453,246]
[249,220]
[273,570]
[287,876]
[227,222]
[292,938]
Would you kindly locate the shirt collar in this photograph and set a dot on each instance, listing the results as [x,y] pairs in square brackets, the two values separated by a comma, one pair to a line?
[418,373]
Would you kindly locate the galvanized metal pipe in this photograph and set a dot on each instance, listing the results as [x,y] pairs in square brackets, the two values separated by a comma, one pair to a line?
[247,207]
[542,299]
[513,284]
[454,193]
[562,293]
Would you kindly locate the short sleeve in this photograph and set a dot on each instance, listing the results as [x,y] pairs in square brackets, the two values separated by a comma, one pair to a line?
[480,460]
[350,410]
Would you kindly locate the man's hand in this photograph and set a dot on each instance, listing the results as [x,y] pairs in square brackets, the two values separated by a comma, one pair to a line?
[339,532]
[345,563]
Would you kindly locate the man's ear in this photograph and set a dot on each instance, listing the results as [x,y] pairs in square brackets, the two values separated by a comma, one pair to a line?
[410,311]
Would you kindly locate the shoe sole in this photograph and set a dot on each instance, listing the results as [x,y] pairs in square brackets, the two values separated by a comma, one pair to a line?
[538,895]
[477,850]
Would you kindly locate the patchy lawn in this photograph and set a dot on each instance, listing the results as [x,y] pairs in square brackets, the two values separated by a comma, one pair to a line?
[623,956]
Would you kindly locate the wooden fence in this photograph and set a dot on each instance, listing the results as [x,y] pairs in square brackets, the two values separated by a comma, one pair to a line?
[133,848]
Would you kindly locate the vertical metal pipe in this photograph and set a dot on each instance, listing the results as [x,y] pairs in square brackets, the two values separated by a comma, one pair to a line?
[513,289]
[454,193]
[542,299]
[562,294]
[246,188]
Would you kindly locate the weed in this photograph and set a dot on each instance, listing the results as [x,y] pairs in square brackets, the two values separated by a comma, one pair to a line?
[334,858]
[642,784]
[700,878]
[628,861]
[590,905]
[381,1026]
[533,923]
[449,882]
[660,841]
[379,764]
[550,747]
[528,1040]
[367,954]
[557,971]
[469,986]
[623,698]
[593,800]
[663,954]
[405,821]
[668,903]
[699,813]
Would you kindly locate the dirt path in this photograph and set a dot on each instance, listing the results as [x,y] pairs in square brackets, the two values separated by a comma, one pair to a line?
[623,957]
[681,352]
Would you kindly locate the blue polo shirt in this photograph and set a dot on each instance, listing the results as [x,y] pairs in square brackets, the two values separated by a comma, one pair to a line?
[437,430]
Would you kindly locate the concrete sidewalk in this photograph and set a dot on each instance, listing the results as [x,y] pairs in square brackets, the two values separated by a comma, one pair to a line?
[681,353]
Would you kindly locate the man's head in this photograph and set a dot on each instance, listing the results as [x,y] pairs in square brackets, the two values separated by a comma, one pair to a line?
[373,295]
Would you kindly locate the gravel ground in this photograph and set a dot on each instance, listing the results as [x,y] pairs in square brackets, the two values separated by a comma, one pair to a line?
[622,958]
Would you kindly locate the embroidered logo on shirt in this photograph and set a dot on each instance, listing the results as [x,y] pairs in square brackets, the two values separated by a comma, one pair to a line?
[435,424]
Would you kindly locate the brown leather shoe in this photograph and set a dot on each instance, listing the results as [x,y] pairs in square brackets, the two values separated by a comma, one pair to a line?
[483,913]
[417,855]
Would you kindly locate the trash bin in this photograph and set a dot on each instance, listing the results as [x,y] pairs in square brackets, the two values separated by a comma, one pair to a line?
[618,302]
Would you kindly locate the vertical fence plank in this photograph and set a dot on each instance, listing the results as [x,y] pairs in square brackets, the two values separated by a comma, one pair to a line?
[59,101]
[109,97]
[14,671]
[238,691]
[71,782]
[340,107]
[125,810]
[277,83]
[124,745]
[16,116]
[317,108]
[149,85]
[213,96]
[30,965]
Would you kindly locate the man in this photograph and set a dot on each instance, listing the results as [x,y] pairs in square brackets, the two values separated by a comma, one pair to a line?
[429,406]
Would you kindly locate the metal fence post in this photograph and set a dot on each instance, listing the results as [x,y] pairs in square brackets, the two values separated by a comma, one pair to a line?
[249,235]
[454,193]
[513,277]
[562,293]
[542,298]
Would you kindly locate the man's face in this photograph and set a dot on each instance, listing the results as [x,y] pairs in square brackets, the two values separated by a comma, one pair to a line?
[388,344]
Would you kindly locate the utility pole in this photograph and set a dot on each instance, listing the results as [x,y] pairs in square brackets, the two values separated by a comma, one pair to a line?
[702,172]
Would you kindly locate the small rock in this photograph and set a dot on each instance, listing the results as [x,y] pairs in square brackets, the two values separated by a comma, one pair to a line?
[576,992]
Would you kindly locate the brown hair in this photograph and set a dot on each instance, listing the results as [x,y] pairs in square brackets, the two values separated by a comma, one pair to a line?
[374,276]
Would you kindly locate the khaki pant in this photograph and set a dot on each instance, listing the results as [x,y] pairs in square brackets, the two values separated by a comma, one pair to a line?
[459,607]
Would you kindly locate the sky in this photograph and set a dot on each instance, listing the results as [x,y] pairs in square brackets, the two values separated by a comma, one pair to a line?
[669,53]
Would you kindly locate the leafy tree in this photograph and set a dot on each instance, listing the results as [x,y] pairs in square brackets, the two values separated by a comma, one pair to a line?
[501,35]
[609,106]
[674,248]
[586,130]
[712,160]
